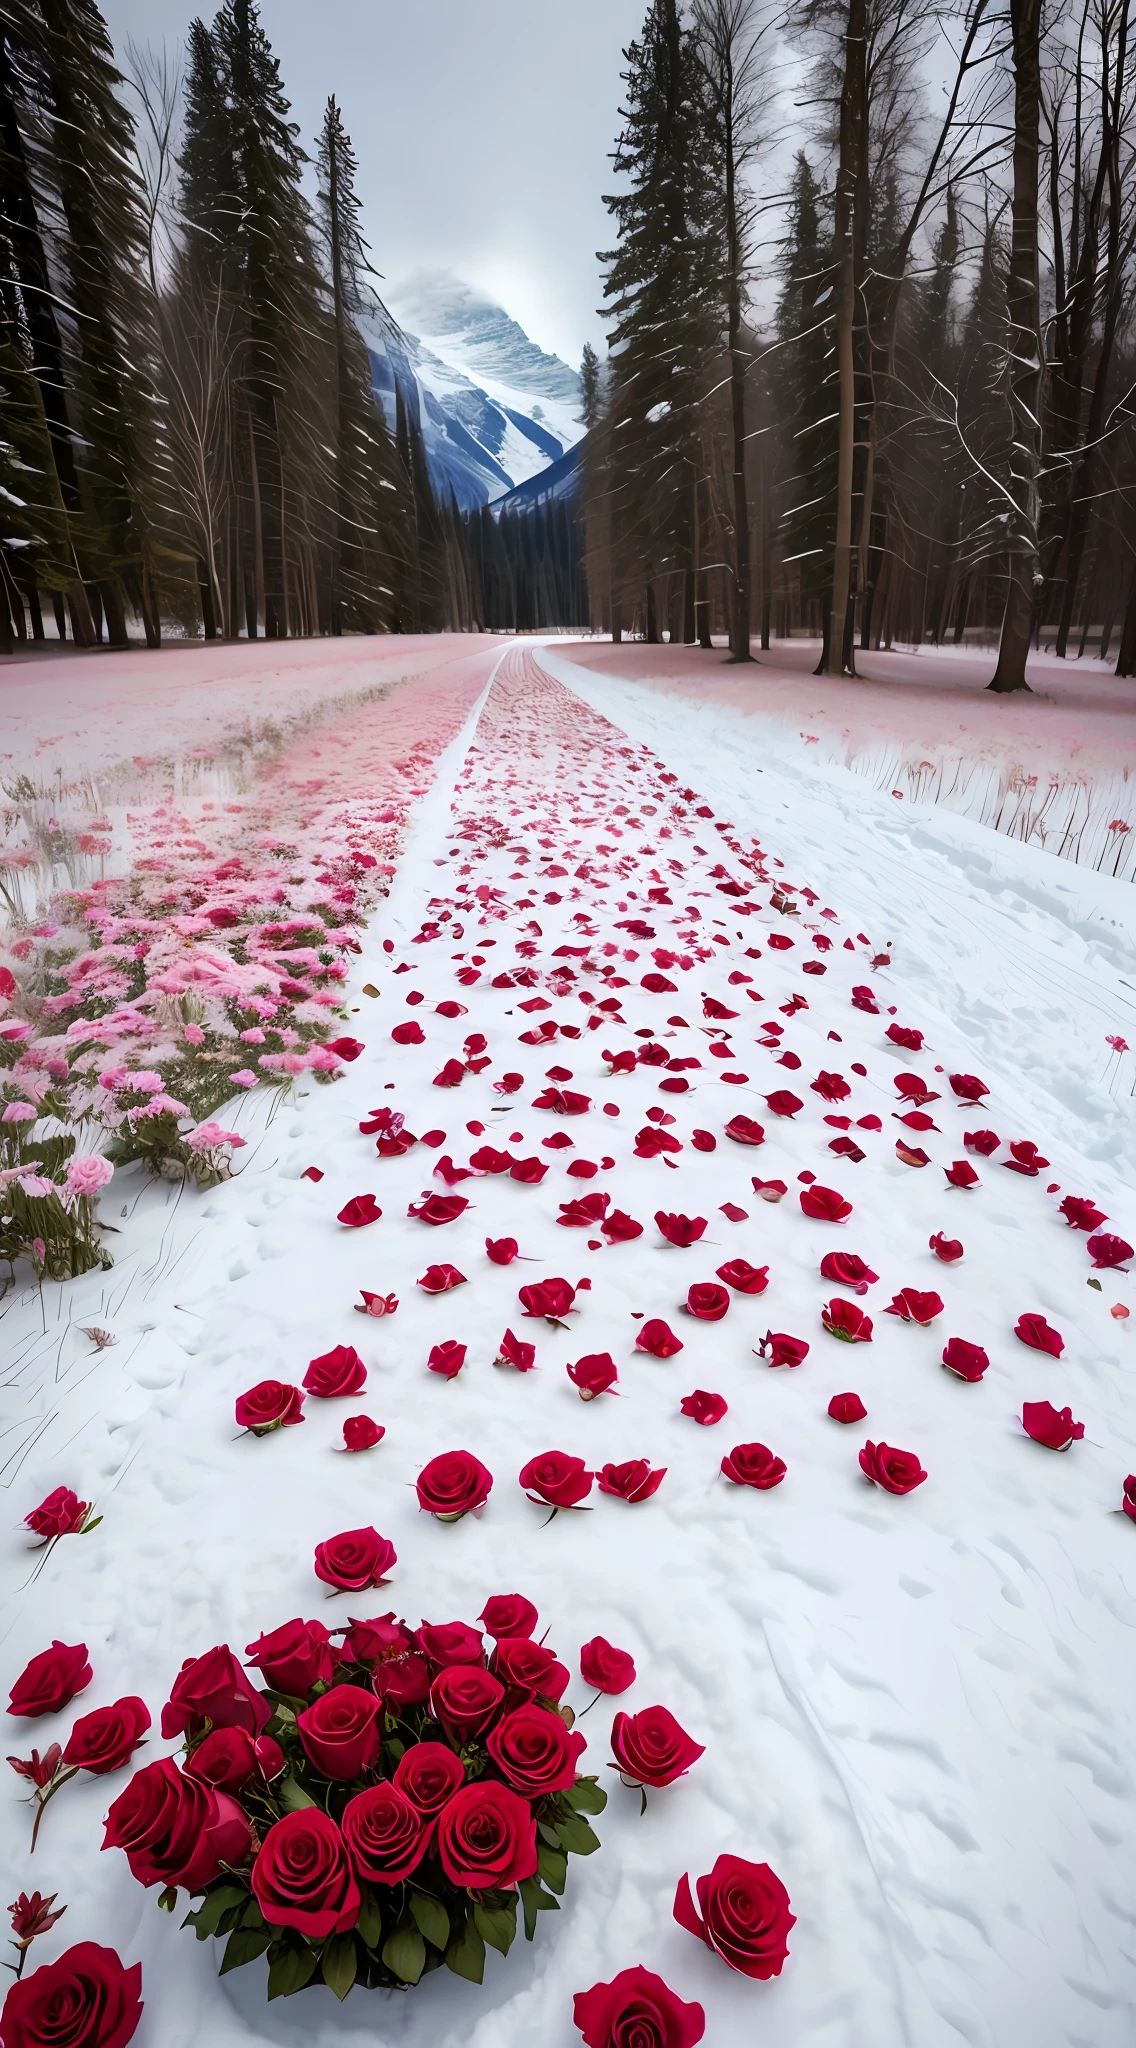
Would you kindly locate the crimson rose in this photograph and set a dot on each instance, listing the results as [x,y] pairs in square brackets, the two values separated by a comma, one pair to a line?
[428,1773]
[355,1559]
[452,1485]
[176,1830]
[605,1667]
[303,1878]
[49,1681]
[464,1698]
[342,1732]
[557,1479]
[650,1748]
[294,1657]
[386,1835]
[509,1614]
[105,1740]
[754,1465]
[270,1405]
[742,1914]
[340,1371]
[534,1751]
[637,2010]
[529,1667]
[88,1999]
[213,1688]
[226,1759]
[487,1837]
[896,1471]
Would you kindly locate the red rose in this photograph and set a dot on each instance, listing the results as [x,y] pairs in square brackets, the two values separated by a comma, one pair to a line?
[1081,1214]
[303,1878]
[949,1249]
[608,1669]
[513,1351]
[782,1349]
[657,1338]
[428,1773]
[50,1680]
[63,1513]
[844,1320]
[534,1751]
[744,1278]
[105,1740]
[1128,1500]
[552,1299]
[400,1675]
[361,1434]
[452,1485]
[465,1699]
[968,1087]
[176,1830]
[528,1667]
[440,1279]
[386,1836]
[361,1209]
[341,1371]
[446,1359]
[847,1408]
[742,1914]
[982,1142]
[825,1204]
[913,1307]
[833,1087]
[744,1131]
[637,2010]
[509,1614]
[294,1657]
[633,1480]
[1053,1427]
[966,1361]
[502,1250]
[703,1407]
[226,1759]
[450,1642]
[896,1471]
[439,1208]
[680,1230]
[708,1301]
[650,1748]
[271,1404]
[901,1034]
[847,1271]
[346,1048]
[593,1375]
[557,1479]
[1105,1251]
[754,1465]
[487,1837]
[354,1560]
[88,1999]
[1039,1335]
[213,1688]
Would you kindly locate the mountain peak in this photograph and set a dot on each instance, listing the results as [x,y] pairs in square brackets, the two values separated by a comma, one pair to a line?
[468,329]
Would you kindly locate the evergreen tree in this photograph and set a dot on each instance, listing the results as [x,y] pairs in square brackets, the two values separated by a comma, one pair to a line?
[802,380]
[589,387]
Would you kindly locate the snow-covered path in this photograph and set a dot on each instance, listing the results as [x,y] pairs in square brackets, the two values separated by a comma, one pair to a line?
[918,1709]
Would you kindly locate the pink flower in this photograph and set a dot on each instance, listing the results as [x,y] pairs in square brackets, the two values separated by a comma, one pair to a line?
[20,1113]
[207,1136]
[243,1078]
[87,1175]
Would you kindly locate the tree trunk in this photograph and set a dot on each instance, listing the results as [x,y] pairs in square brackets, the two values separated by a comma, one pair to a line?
[652,633]
[1023,309]
[852,117]
[1126,654]
[735,258]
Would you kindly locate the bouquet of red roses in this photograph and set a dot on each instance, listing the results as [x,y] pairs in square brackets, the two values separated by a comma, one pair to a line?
[376,1809]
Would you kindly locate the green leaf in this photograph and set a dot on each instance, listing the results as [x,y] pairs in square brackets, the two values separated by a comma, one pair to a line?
[546,1829]
[292,1797]
[1094,1283]
[168,1898]
[251,1915]
[553,1867]
[289,1971]
[431,1918]
[404,1952]
[206,1920]
[244,1946]
[88,1526]
[497,1925]
[339,1964]
[370,1921]
[534,1901]
[586,1796]
[576,1836]
[466,1956]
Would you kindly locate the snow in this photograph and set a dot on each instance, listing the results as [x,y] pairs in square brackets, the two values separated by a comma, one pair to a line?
[919,1710]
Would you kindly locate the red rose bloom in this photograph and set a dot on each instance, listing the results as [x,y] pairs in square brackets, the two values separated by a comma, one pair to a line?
[270,1405]
[551,1299]
[105,1740]
[63,1513]
[303,1878]
[226,1759]
[213,1688]
[608,1669]
[702,1407]
[88,1999]
[657,1338]
[825,1204]
[966,1361]
[557,1479]
[428,1773]
[847,1408]
[1128,1498]
[682,1231]
[708,1301]
[528,1667]
[294,1657]
[1106,1252]
[534,1752]
[452,1485]
[595,1374]
[51,1680]
[781,1349]
[341,1371]
[754,1465]
[913,1307]
[637,2010]
[844,1320]
[896,1471]
[450,1642]
[742,1914]
[1081,1214]
[968,1087]
[354,1560]
[633,1480]
[342,1732]
[651,1748]
[1053,1427]
[361,1434]
[386,1835]
[465,1699]
[440,1279]
[176,1830]
[509,1614]
[847,1271]
[487,1837]
[1039,1335]
[744,1278]
[446,1359]
[744,1131]
[949,1249]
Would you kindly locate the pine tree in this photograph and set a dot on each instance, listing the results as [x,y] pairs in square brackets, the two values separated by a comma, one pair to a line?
[589,387]
[802,380]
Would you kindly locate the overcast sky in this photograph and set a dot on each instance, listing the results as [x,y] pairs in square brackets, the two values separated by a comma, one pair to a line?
[482,129]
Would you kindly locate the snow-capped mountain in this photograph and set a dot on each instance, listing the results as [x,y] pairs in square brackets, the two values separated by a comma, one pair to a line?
[493,408]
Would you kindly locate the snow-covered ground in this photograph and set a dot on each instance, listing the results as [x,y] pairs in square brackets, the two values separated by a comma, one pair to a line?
[918,1709]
